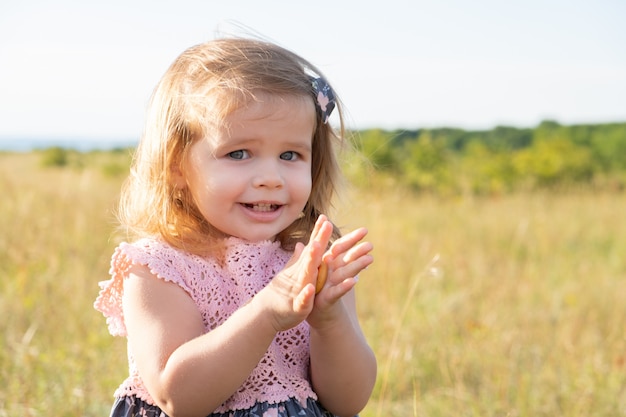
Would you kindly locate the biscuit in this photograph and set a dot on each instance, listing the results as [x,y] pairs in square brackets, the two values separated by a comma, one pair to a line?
[322,273]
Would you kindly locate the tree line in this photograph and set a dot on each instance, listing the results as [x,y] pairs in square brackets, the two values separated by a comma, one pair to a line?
[503,159]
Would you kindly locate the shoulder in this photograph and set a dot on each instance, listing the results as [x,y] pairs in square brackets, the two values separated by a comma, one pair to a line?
[145,258]
[149,249]
[157,257]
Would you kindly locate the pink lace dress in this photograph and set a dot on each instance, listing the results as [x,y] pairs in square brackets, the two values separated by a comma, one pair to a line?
[278,386]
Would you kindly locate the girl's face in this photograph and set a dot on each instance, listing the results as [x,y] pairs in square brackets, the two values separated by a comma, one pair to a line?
[252,178]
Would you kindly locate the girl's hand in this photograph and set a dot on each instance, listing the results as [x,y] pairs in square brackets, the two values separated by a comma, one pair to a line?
[290,295]
[346,258]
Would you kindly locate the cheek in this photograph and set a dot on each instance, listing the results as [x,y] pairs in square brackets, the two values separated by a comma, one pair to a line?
[304,187]
[203,186]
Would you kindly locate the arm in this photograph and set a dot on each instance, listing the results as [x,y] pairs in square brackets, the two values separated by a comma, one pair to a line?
[189,372]
[343,366]
[174,355]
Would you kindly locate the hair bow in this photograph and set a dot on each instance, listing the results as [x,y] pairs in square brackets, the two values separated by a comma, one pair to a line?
[325,97]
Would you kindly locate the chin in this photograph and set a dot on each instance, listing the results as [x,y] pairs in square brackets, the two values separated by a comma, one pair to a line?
[259,238]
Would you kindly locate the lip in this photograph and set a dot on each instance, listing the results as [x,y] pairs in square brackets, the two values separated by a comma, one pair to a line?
[263,211]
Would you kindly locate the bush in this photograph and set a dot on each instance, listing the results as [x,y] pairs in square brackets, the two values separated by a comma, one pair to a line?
[55,157]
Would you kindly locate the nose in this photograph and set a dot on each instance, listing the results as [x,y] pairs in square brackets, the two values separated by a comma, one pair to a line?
[268,174]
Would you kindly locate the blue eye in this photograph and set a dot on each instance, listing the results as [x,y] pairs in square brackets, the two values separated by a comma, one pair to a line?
[239,154]
[289,156]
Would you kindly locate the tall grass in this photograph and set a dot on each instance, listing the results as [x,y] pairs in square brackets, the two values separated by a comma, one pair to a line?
[55,242]
[509,306]
[517,304]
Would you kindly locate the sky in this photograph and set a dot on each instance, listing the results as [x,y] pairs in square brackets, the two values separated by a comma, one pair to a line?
[85,69]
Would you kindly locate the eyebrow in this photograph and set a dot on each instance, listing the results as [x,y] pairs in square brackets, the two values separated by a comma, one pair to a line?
[290,144]
[300,146]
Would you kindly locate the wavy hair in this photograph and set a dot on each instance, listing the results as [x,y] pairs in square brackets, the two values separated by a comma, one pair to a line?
[200,89]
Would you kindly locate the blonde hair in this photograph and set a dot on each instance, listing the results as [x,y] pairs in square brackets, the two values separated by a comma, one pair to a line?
[199,90]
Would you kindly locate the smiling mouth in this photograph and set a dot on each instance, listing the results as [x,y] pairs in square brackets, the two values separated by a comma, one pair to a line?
[262,207]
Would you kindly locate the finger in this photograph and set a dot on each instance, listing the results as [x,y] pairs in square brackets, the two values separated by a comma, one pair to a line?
[321,237]
[318,225]
[313,252]
[331,294]
[303,303]
[351,269]
[351,263]
[355,252]
[346,242]
[297,253]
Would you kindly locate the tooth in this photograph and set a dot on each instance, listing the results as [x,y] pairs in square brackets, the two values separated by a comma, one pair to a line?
[262,207]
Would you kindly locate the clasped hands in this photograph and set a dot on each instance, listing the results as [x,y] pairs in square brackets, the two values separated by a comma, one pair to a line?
[292,291]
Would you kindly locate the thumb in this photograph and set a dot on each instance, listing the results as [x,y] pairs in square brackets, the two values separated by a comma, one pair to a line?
[303,303]
[297,252]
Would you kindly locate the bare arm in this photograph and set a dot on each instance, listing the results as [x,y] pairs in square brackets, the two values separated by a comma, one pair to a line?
[343,366]
[189,372]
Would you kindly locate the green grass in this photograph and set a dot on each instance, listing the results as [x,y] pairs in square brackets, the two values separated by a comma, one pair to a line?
[507,306]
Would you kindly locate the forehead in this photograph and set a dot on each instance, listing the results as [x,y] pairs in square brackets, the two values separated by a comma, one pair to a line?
[265,113]
[272,106]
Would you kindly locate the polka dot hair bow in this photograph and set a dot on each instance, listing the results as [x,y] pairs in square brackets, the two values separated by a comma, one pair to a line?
[325,97]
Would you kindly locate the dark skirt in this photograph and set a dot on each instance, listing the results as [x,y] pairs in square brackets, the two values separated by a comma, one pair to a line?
[134,407]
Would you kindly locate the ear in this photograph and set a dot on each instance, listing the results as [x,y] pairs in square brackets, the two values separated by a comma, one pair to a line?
[178,177]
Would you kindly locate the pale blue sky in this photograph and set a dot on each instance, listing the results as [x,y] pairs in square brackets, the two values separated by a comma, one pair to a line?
[85,69]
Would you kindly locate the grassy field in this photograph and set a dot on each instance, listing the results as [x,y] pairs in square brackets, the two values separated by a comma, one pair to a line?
[504,306]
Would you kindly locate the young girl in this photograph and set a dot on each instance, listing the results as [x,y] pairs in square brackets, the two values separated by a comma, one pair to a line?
[217,297]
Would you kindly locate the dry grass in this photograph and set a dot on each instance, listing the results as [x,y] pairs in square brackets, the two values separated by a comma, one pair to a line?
[511,306]
[56,358]
[516,305]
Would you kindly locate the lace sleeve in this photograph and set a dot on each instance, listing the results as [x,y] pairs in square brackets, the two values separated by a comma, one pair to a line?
[162,260]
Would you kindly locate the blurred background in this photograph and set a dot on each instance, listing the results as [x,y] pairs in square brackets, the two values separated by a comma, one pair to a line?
[84,70]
